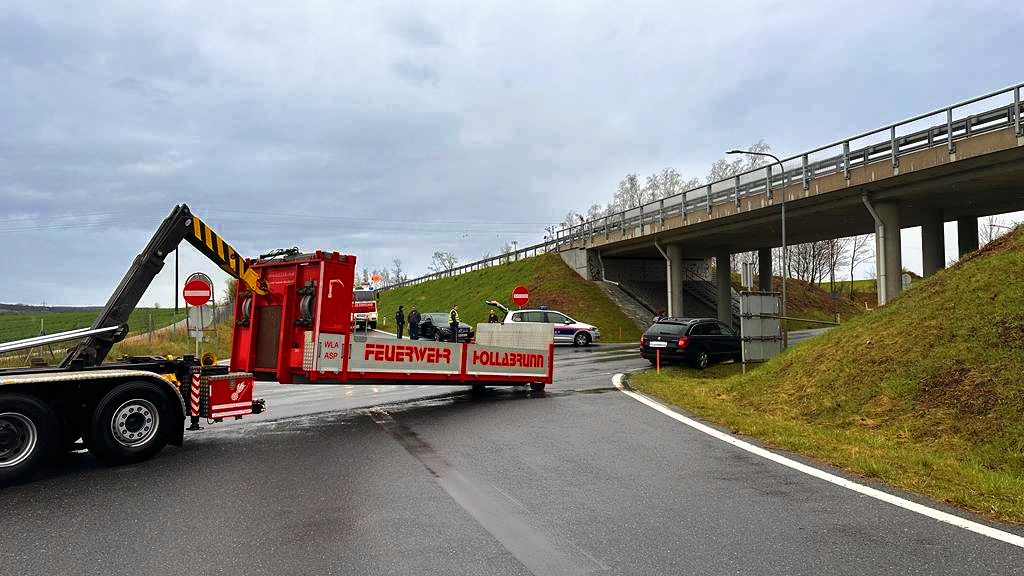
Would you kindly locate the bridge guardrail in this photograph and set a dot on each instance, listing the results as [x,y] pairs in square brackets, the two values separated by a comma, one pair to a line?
[958,121]
[838,157]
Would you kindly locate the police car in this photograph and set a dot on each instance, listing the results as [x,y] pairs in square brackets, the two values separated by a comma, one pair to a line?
[567,330]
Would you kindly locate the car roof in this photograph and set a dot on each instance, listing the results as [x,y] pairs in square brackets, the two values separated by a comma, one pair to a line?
[538,310]
[672,320]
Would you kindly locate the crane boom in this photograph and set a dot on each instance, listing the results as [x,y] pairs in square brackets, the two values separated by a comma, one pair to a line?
[180,225]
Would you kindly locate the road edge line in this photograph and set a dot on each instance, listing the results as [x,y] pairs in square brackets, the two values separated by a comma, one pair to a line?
[932,513]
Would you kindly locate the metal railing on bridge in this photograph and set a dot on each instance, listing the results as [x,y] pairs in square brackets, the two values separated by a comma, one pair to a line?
[887,143]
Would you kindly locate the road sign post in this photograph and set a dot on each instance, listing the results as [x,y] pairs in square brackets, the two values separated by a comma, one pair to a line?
[198,291]
[520,296]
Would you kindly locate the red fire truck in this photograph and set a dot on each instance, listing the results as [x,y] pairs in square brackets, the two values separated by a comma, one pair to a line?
[364,307]
[299,331]
[292,323]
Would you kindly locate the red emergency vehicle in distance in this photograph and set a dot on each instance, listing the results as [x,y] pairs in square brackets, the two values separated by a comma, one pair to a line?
[364,307]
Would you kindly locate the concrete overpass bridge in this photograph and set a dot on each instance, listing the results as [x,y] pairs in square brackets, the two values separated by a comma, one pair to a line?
[956,163]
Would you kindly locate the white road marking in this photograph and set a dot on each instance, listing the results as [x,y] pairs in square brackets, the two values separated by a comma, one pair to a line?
[822,475]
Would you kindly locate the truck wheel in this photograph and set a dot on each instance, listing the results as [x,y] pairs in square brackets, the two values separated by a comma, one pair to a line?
[581,339]
[28,436]
[373,325]
[537,386]
[130,424]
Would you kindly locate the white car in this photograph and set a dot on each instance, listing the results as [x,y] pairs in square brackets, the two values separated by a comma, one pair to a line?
[567,330]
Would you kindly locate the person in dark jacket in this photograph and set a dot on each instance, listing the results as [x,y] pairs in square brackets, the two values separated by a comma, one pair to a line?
[414,323]
[400,321]
[492,318]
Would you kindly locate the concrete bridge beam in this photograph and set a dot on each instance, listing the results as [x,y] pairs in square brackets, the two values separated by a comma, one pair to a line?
[674,279]
[764,269]
[967,235]
[724,286]
[888,258]
[933,243]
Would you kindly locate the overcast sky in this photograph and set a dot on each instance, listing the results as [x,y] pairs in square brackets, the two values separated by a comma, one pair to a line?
[392,129]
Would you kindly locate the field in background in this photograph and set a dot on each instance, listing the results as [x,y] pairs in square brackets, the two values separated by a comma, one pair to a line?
[18,325]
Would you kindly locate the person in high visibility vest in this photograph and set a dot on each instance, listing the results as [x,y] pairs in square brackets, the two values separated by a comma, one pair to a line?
[453,322]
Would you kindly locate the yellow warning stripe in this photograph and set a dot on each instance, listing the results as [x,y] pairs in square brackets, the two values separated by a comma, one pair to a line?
[215,248]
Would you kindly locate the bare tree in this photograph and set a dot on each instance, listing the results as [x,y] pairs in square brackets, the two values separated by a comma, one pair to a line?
[992,227]
[727,168]
[629,194]
[365,276]
[736,260]
[836,251]
[230,289]
[396,269]
[443,261]
[860,252]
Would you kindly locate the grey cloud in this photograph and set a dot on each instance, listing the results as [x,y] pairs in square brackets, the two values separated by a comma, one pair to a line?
[417,74]
[387,132]
[418,32]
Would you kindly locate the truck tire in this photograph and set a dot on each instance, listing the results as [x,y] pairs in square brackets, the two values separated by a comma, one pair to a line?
[373,325]
[130,424]
[537,387]
[28,436]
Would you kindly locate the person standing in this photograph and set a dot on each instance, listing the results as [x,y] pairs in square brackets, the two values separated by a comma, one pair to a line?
[414,323]
[400,321]
[453,322]
[492,318]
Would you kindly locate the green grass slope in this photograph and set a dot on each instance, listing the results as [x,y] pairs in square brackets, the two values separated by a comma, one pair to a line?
[18,325]
[926,393]
[550,281]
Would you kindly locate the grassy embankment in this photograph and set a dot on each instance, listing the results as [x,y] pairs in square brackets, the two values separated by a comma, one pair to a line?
[550,281]
[925,393]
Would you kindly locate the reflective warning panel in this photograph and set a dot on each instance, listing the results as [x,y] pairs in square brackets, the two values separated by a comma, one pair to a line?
[408,356]
[498,361]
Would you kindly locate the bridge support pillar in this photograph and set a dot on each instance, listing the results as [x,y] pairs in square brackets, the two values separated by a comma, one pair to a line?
[887,245]
[674,279]
[764,269]
[933,243]
[723,282]
[967,235]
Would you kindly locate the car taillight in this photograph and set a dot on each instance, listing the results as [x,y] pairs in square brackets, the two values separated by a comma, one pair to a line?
[683,341]
[642,340]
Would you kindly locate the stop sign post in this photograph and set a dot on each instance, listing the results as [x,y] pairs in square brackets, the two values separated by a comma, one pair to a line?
[520,296]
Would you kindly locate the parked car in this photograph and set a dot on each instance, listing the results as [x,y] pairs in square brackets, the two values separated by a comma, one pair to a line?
[567,330]
[698,341]
[434,326]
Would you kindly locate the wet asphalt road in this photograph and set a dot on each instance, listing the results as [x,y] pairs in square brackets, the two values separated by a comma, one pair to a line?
[579,480]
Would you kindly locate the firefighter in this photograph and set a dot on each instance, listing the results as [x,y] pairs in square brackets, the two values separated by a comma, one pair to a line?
[414,323]
[453,322]
[400,321]
[492,318]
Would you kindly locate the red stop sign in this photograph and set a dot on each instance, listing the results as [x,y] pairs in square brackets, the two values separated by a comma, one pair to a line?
[197,292]
[520,295]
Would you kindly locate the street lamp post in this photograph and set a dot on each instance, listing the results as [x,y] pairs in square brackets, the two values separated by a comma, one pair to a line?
[785,335]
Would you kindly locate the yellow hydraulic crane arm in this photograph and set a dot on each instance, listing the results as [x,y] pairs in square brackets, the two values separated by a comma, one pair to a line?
[216,249]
